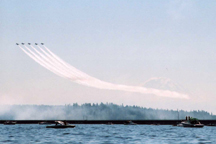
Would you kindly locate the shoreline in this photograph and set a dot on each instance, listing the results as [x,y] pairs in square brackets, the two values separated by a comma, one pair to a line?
[139,122]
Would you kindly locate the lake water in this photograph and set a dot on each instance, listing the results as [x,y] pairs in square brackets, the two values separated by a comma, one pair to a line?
[26,134]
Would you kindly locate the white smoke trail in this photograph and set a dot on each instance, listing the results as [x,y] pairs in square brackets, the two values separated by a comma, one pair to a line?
[73,73]
[67,70]
[38,60]
[49,63]
[83,79]
[67,65]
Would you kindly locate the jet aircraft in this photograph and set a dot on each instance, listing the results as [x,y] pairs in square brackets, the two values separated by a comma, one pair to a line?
[23,43]
[29,43]
[17,44]
[36,44]
[42,43]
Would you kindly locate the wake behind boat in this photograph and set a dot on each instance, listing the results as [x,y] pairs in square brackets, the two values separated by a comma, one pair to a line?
[60,124]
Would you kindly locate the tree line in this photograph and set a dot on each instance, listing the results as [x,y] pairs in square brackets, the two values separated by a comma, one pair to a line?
[88,111]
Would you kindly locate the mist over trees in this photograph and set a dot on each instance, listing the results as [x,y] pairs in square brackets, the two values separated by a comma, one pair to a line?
[88,111]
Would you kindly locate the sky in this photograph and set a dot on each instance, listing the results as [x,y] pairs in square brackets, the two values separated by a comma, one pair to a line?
[121,42]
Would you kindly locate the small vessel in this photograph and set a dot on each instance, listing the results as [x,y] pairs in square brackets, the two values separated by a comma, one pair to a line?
[192,122]
[60,124]
[129,123]
[44,123]
[9,123]
[109,123]
[211,124]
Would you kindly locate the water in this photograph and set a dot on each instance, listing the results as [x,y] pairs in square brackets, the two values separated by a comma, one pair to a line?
[26,134]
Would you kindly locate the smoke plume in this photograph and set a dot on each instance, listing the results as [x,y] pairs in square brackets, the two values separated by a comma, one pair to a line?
[52,62]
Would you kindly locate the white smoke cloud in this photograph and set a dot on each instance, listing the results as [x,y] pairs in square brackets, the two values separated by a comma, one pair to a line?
[52,62]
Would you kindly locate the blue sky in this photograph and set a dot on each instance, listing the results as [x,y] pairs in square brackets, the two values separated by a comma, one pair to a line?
[123,42]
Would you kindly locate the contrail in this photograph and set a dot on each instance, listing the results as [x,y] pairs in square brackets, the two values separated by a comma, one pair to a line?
[67,65]
[75,74]
[38,60]
[50,63]
[58,66]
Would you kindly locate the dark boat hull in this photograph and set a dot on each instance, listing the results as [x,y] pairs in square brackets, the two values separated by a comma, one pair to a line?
[61,127]
[193,125]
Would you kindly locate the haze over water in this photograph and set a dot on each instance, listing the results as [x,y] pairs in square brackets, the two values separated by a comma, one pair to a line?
[124,42]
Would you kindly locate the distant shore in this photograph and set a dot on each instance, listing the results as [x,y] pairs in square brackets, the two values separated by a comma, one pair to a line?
[139,122]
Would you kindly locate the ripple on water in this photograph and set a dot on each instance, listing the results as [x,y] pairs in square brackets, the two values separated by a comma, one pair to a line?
[106,134]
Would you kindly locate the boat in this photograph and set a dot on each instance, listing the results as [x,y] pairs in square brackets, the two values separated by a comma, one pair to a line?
[60,125]
[109,123]
[44,123]
[211,124]
[9,123]
[192,122]
[130,123]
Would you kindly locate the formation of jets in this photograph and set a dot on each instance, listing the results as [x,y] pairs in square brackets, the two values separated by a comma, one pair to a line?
[29,43]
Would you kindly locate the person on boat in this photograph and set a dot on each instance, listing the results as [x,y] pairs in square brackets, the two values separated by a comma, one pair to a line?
[65,123]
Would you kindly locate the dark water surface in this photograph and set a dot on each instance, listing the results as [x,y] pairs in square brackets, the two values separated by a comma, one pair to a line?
[26,134]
